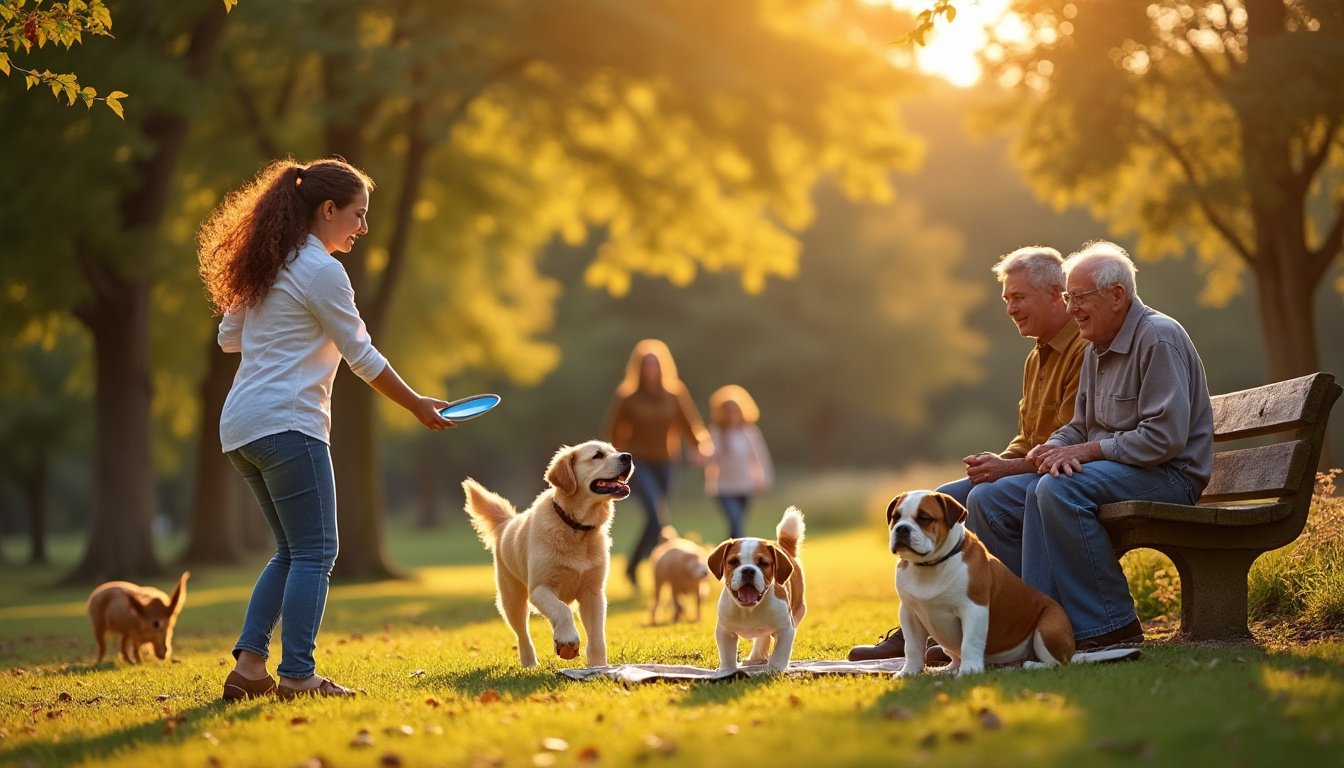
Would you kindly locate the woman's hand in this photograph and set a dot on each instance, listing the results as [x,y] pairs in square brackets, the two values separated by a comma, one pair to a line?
[426,409]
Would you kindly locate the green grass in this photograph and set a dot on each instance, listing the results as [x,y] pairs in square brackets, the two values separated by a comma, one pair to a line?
[444,686]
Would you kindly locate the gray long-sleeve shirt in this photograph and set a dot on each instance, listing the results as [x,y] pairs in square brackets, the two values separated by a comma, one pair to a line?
[1144,398]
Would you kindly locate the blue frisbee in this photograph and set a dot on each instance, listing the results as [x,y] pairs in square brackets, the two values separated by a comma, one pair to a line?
[469,407]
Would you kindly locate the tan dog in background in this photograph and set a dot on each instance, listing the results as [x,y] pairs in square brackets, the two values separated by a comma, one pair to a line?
[558,550]
[952,588]
[139,614]
[681,565]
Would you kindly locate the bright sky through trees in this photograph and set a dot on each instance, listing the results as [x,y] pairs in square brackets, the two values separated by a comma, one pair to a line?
[950,50]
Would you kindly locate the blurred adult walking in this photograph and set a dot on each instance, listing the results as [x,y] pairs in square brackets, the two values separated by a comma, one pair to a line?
[740,467]
[650,414]
[267,260]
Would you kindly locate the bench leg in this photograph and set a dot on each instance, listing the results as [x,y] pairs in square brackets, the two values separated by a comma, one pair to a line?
[1213,592]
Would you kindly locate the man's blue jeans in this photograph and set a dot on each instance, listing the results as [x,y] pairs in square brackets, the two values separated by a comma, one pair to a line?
[996,511]
[291,476]
[1067,554]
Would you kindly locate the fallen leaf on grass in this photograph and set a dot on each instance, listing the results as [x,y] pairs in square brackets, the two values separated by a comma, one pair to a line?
[403,729]
[170,725]
[898,713]
[163,697]
[362,739]
[210,737]
[588,755]
[431,701]
[989,720]
[795,700]
[929,739]
[298,720]
[417,673]
[94,700]
[659,744]
[214,761]
[390,760]
[316,761]
[543,759]
[731,729]
[488,696]
[960,735]
[64,696]
[553,744]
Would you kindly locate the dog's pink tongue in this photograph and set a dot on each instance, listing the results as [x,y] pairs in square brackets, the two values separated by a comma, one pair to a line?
[748,594]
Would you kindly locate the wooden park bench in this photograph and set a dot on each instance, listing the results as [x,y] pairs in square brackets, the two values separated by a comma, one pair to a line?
[1257,500]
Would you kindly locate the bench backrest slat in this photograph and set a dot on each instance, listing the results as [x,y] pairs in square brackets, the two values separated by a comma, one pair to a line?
[1278,407]
[1266,472]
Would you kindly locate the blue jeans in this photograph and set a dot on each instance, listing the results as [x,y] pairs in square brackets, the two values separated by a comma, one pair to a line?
[735,509]
[291,476]
[996,511]
[1067,554]
[652,483]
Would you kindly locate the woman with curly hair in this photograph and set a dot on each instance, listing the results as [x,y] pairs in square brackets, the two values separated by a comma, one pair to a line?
[266,256]
[649,415]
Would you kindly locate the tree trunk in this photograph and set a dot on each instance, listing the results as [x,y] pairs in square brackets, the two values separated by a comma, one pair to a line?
[216,529]
[120,544]
[427,482]
[35,492]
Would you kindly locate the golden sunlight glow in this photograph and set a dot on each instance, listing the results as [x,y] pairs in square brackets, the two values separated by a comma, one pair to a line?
[950,49]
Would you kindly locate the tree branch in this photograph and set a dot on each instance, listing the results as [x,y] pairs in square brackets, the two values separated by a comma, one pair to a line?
[1316,158]
[1321,257]
[251,113]
[1205,65]
[1205,206]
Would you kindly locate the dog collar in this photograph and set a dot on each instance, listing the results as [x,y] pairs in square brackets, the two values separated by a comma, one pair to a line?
[955,550]
[571,522]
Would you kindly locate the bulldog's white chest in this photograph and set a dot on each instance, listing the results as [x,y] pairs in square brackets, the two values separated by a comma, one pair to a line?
[765,618]
[939,594]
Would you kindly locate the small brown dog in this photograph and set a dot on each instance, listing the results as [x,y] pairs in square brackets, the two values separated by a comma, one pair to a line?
[681,565]
[139,614]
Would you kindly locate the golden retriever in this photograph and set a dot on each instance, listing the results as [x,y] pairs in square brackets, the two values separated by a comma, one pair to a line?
[558,550]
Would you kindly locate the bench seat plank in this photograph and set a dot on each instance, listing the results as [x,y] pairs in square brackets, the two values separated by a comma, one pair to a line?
[1266,472]
[1129,514]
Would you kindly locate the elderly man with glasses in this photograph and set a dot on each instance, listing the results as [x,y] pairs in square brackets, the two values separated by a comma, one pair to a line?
[996,484]
[1142,428]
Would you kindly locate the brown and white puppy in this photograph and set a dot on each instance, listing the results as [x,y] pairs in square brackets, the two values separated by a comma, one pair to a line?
[762,595]
[558,550]
[139,614]
[680,565]
[952,588]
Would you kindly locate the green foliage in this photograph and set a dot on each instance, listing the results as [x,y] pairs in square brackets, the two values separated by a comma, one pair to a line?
[24,27]
[1302,584]
[1205,127]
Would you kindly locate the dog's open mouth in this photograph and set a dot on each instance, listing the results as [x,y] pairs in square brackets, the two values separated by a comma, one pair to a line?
[747,594]
[616,486]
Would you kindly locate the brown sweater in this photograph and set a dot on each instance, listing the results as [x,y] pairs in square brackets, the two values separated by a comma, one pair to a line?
[650,425]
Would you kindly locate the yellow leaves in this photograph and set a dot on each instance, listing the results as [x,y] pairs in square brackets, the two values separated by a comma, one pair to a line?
[114,102]
[4,61]
[228,5]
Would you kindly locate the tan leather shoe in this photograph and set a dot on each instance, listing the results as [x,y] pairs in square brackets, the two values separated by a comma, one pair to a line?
[237,687]
[324,688]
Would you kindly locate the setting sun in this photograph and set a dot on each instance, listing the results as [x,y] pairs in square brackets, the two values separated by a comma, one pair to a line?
[950,48]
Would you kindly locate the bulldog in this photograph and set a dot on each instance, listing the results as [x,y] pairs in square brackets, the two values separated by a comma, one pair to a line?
[762,597]
[953,589]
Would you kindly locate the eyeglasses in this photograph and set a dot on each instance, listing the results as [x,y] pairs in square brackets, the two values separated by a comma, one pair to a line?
[1072,298]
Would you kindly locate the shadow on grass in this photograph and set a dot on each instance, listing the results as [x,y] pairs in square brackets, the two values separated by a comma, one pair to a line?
[176,728]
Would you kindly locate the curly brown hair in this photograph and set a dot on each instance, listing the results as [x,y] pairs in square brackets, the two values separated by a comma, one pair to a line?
[260,226]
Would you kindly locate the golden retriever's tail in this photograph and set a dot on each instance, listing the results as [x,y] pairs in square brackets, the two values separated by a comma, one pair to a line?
[487,510]
[789,532]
